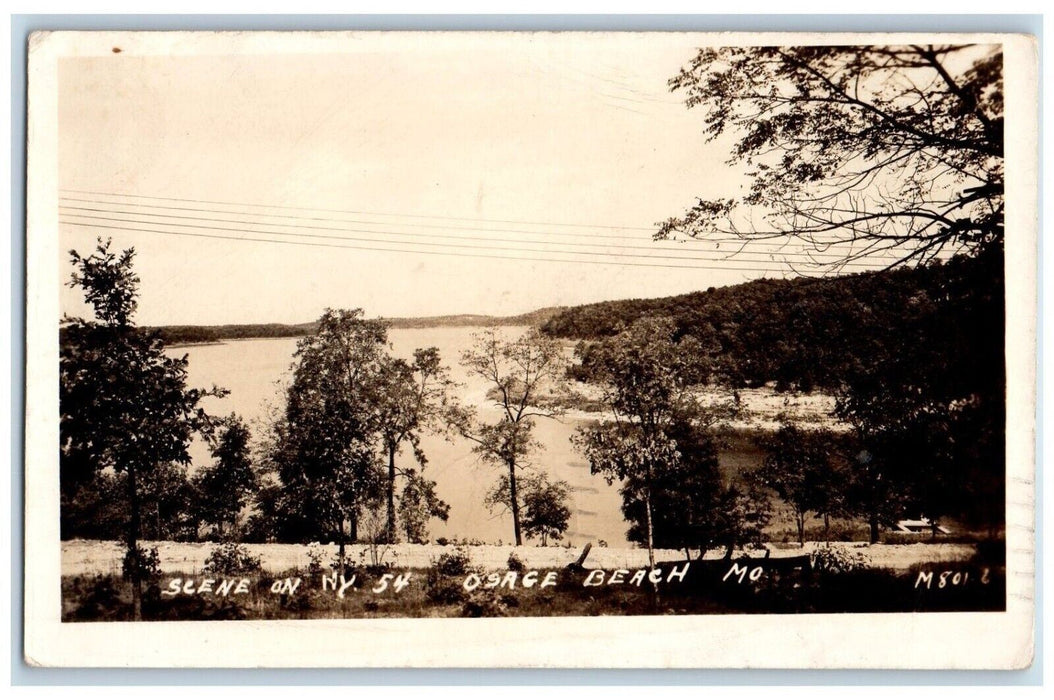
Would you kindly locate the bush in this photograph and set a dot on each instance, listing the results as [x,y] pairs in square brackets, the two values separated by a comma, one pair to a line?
[827,560]
[991,552]
[483,605]
[442,541]
[315,556]
[231,559]
[444,590]
[453,563]
[100,600]
[515,563]
[149,566]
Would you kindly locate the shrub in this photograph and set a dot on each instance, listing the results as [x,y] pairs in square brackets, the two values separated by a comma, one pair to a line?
[442,541]
[149,566]
[315,557]
[453,563]
[99,600]
[443,590]
[515,563]
[827,560]
[231,559]
[991,552]
[483,605]
[377,564]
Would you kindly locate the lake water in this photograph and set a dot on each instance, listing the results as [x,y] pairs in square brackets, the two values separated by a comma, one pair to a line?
[255,371]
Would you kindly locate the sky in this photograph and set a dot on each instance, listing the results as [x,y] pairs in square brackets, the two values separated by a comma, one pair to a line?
[396,173]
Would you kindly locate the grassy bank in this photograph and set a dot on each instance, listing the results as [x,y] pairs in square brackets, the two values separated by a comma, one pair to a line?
[708,587]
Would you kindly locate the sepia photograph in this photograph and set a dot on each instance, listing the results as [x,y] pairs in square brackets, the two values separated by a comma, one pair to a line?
[351,329]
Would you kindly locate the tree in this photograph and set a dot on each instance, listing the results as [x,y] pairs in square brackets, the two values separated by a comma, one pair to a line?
[124,404]
[930,410]
[226,486]
[887,155]
[418,504]
[743,512]
[888,152]
[799,466]
[543,504]
[323,446]
[97,509]
[169,504]
[647,378]
[409,398]
[518,373]
[686,497]
[545,509]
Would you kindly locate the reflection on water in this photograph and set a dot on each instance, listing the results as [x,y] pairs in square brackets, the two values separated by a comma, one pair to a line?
[255,370]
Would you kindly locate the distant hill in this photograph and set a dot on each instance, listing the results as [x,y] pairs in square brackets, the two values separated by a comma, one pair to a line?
[816,332]
[531,318]
[185,335]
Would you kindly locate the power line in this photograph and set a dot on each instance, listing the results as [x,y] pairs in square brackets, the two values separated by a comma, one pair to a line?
[804,256]
[419,252]
[807,256]
[426,243]
[352,230]
[351,221]
[738,241]
[366,213]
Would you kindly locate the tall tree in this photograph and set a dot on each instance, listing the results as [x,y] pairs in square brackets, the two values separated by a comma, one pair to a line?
[410,397]
[518,373]
[323,446]
[225,486]
[648,379]
[124,403]
[890,152]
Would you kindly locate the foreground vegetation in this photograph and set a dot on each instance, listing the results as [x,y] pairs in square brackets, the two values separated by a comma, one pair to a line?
[829,584]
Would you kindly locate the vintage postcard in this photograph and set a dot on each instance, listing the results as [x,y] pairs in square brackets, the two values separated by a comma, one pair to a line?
[531,349]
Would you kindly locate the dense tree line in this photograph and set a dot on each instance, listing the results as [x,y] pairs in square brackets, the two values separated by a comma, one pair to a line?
[808,333]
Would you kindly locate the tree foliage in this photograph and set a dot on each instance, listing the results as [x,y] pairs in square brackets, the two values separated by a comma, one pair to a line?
[809,333]
[330,455]
[227,485]
[892,152]
[418,503]
[543,505]
[124,404]
[410,398]
[647,381]
[520,372]
[803,468]
[323,445]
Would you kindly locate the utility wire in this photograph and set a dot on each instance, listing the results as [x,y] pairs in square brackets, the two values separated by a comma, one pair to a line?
[356,221]
[366,213]
[731,240]
[421,252]
[428,243]
[808,256]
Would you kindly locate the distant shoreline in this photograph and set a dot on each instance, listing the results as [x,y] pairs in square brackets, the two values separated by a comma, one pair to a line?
[188,335]
[176,346]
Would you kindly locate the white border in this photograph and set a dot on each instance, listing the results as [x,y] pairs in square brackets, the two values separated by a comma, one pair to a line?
[931,641]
